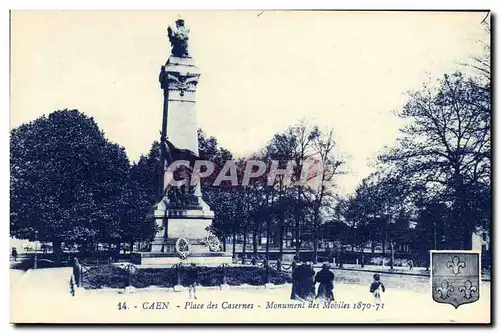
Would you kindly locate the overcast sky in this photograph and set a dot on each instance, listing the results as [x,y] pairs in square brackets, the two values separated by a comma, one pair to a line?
[259,73]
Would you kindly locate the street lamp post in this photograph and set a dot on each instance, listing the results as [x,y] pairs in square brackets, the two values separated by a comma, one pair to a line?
[36,239]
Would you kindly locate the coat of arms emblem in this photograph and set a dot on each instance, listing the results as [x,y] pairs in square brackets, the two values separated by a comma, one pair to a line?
[455,277]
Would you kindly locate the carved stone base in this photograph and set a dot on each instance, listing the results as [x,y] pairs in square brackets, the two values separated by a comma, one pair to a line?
[173,223]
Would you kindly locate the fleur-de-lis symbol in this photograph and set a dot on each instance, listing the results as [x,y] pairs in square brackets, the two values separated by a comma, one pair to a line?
[445,289]
[467,289]
[455,264]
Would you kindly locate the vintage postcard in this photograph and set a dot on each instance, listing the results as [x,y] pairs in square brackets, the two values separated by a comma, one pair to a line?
[250,167]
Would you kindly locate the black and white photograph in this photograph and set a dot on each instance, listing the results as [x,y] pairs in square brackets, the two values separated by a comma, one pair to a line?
[250,166]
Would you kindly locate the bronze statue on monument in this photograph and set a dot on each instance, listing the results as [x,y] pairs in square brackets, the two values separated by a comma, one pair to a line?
[179,37]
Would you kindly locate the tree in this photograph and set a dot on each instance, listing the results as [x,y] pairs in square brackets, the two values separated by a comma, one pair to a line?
[281,149]
[66,179]
[447,146]
[295,144]
[142,192]
[482,63]
[378,211]
[321,182]
[432,229]
[303,135]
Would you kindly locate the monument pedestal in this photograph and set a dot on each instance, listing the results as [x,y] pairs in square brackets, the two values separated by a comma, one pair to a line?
[190,223]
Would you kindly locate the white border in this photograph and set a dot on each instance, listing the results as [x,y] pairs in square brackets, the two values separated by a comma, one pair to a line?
[184,4]
[255,4]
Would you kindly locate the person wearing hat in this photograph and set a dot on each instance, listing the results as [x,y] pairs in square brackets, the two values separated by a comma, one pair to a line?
[325,279]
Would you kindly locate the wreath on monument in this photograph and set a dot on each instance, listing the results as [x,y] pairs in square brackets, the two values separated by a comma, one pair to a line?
[212,242]
[182,247]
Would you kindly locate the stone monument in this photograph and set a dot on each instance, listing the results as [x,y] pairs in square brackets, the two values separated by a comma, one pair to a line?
[181,216]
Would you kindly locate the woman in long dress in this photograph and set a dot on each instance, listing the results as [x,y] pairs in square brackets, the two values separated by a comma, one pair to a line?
[308,281]
[296,273]
[325,279]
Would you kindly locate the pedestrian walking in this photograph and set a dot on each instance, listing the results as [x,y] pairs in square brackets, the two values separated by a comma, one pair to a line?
[303,282]
[192,280]
[295,278]
[309,282]
[376,288]
[14,253]
[325,279]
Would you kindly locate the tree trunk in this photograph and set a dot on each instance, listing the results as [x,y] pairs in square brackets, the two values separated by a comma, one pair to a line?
[373,246]
[465,226]
[234,242]
[315,249]
[392,254]
[315,239]
[362,255]
[467,238]
[254,240]
[118,250]
[244,240]
[268,237]
[297,224]
[131,247]
[281,234]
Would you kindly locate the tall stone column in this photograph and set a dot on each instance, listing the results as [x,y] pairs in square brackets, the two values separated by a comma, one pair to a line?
[179,79]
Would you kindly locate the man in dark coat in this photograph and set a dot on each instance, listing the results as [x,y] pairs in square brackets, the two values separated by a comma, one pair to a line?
[303,285]
[325,279]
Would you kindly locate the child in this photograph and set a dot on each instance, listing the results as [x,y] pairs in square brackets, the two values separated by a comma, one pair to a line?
[192,279]
[375,288]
